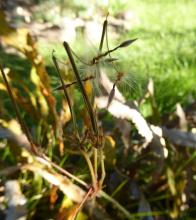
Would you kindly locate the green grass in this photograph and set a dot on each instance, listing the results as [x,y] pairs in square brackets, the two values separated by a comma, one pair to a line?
[164,51]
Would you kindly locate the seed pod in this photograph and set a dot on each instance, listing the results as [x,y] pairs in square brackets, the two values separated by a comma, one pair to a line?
[127,43]
[111,96]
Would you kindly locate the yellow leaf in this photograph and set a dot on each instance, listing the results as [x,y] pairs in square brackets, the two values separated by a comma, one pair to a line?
[34,77]
[171,181]
[43,104]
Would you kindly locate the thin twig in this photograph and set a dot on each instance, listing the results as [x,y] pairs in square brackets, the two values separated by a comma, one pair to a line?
[65,172]
[72,83]
[82,203]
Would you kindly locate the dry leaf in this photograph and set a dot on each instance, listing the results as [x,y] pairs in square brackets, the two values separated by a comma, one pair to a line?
[53,195]
[72,191]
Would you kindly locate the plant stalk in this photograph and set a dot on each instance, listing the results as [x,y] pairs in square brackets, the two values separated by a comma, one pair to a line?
[85,97]
[66,96]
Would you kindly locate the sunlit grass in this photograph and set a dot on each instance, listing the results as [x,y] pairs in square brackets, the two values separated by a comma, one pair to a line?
[164,51]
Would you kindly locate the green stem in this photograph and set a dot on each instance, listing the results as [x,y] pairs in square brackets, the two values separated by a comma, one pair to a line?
[95,161]
[103,173]
[116,203]
[90,166]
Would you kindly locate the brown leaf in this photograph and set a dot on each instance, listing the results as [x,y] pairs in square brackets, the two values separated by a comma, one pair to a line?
[53,195]
[72,191]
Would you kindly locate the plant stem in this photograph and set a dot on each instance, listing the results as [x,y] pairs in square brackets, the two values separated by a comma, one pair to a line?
[85,97]
[105,23]
[116,203]
[95,161]
[81,204]
[103,173]
[66,96]
[90,166]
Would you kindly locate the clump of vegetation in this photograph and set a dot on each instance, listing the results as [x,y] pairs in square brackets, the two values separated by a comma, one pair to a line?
[96,158]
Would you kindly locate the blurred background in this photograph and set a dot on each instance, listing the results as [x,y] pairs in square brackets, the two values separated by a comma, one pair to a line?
[165,49]
[154,182]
